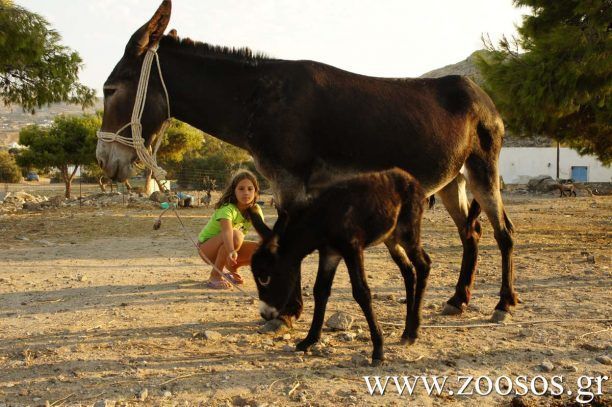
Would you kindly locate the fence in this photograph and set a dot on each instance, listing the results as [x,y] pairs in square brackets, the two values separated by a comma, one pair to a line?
[196,183]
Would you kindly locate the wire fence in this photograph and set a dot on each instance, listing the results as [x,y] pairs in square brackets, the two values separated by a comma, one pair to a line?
[203,186]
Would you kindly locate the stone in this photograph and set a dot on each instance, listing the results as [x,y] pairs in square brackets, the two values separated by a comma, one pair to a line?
[347,336]
[167,394]
[340,321]
[604,360]
[546,366]
[158,196]
[143,394]
[541,183]
[105,403]
[208,335]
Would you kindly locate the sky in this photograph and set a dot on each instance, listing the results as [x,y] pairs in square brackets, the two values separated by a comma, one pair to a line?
[389,38]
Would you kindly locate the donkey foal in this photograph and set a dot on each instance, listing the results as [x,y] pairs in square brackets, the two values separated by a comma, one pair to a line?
[341,222]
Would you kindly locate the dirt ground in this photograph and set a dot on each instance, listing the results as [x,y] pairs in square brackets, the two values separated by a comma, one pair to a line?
[96,307]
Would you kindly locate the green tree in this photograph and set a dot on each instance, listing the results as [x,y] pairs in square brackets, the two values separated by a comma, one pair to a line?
[556,78]
[9,170]
[180,141]
[69,142]
[35,69]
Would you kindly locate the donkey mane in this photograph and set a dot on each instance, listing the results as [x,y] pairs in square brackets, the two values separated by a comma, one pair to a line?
[243,54]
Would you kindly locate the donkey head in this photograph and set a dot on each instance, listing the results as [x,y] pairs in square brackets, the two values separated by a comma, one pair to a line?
[275,271]
[120,91]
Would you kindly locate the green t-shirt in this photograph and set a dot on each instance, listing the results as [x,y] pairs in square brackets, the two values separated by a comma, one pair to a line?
[232,213]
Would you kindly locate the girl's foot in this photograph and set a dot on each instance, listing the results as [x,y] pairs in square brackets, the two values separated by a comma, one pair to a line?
[218,285]
[235,277]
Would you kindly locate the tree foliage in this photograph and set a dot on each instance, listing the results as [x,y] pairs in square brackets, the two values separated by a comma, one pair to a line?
[35,69]
[556,78]
[69,142]
[9,170]
[181,139]
[189,155]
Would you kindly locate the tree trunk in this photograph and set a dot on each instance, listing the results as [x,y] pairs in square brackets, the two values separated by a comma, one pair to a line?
[67,181]
[148,187]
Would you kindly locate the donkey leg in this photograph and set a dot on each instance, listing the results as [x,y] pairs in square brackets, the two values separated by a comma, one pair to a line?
[328,263]
[361,294]
[399,257]
[422,263]
[455,201]
[484,183]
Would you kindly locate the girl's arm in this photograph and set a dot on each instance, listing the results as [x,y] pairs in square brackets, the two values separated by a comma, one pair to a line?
[228,240]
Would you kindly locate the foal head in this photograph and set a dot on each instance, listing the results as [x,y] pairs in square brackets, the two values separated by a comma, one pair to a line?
[276,273]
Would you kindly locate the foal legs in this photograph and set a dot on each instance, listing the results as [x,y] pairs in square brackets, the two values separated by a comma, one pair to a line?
[361,293]
[328,263]
[455,200]
[399,257]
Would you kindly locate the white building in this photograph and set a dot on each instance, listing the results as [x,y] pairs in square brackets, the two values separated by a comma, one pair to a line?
[518,164]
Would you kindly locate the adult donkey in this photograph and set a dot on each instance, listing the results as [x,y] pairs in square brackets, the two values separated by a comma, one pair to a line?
[307,123]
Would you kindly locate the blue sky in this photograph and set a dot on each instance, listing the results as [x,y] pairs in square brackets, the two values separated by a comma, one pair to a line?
[393,38]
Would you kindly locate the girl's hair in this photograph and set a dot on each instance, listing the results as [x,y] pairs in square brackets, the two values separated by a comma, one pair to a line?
[229,195]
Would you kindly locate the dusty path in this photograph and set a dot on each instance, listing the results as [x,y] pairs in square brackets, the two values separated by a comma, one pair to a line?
[96,305]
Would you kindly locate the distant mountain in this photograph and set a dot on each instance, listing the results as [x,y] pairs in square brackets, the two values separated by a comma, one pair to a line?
[468,68]
[13,118]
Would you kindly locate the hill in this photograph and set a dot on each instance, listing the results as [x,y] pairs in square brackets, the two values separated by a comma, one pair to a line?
[468,68]
[13,118]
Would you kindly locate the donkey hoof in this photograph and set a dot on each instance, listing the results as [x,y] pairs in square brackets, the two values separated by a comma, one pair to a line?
[377,362]
[304,345]
[274,327]
[451,309]
[500,316]
[407,341]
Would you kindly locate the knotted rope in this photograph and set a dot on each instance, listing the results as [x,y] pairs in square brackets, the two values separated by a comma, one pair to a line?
[146,156]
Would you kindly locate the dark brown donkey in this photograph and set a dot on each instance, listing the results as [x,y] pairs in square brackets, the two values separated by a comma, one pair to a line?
[341,222]
[308,124]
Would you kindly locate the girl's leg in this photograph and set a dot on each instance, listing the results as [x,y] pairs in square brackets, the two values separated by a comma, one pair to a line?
[221,257]
[211,250]
[244,258]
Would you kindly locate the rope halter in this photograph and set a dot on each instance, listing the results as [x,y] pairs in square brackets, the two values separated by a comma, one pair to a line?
[147,156]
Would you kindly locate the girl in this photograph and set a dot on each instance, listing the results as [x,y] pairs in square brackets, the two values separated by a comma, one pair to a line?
[222,239]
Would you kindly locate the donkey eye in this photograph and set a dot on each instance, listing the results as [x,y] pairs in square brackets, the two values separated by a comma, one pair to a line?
[108,92]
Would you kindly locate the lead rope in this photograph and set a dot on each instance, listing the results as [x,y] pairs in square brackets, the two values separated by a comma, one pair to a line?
[157,225]
[147,156]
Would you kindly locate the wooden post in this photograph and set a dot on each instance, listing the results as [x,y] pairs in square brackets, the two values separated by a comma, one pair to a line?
[558,150]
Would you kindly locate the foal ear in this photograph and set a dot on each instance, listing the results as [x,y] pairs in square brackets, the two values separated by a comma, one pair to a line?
[151,33]
[262,229]
[282,221]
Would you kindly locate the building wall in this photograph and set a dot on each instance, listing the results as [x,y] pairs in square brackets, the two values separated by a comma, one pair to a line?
[518,164]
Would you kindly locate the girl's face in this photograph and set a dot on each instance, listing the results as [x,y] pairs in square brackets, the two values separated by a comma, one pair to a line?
[245,192]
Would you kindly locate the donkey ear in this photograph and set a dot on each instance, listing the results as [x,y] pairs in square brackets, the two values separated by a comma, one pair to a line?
[262,229]
[272,244]
[151,33]
[282,221]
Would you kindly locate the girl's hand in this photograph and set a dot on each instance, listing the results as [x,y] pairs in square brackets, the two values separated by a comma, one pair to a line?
[232,257]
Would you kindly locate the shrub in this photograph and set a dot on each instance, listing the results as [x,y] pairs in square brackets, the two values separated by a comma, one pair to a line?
[9,170]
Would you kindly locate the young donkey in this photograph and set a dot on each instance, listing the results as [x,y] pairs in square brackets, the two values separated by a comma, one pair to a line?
[341,222]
